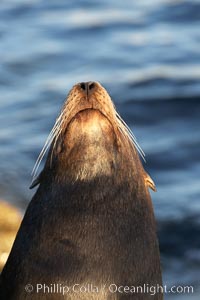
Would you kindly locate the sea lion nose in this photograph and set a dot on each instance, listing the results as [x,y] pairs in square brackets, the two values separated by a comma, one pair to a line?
[87,87]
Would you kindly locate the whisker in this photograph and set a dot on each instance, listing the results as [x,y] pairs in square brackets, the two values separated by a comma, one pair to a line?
[125,133]
[55,142]
[130,131]
[130,135]
[50,138]
[41,155]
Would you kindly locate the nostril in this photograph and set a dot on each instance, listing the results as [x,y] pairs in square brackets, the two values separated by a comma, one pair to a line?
[83,85]
[91,85]
[87,87]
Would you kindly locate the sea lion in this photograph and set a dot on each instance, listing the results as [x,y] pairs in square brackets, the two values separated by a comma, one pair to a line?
[91,221]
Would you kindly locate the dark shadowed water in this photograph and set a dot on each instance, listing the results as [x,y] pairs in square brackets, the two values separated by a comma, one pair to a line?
[147,55]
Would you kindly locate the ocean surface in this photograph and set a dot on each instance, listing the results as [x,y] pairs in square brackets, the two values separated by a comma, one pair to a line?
[147,55]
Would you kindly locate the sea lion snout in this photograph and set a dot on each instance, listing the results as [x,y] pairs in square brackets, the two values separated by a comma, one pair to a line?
[88,87]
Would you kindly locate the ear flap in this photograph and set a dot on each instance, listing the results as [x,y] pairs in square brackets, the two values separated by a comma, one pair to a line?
[35,182]
[149,181]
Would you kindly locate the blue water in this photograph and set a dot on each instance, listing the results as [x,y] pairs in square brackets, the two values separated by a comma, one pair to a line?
[146,53]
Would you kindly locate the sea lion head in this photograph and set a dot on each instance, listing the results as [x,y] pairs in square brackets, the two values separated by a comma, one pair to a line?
[89,138]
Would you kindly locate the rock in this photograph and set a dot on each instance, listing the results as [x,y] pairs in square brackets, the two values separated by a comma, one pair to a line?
[10,219]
